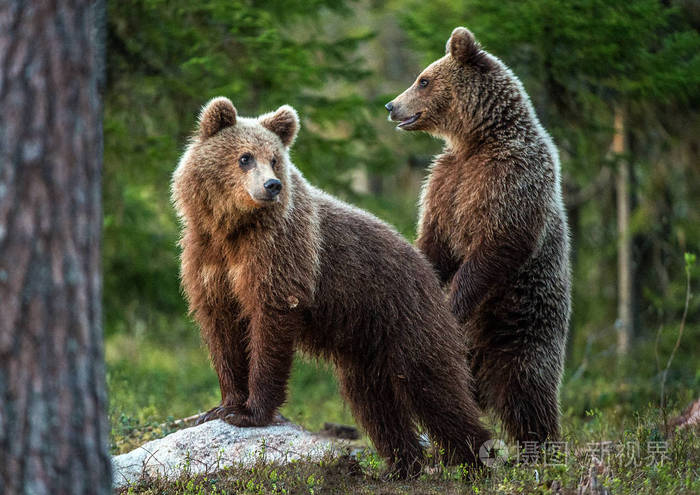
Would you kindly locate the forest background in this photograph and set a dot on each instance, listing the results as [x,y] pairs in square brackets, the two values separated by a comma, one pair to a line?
[616,83]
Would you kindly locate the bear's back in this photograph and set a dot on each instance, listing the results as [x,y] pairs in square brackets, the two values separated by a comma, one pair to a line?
[371,277]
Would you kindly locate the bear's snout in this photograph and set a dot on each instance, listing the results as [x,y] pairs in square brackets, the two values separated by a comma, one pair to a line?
[402,113]
[273,187]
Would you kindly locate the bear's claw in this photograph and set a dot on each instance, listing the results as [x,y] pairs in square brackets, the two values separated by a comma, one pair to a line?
[244,420]
[218,412]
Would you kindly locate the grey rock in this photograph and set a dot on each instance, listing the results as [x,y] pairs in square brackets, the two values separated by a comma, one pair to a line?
[215,445]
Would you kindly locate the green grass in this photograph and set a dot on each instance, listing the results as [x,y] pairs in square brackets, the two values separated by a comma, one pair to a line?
[154,380]
[636,463]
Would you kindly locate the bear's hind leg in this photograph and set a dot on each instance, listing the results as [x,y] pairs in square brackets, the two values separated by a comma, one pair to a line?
[524,395]
[531,411]
[386,420]
[447,410]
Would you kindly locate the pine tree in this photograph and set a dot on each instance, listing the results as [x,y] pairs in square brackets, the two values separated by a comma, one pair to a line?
[53,428]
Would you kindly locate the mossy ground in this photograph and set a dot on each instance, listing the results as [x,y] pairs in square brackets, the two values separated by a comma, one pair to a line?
[612,427]
[639,461]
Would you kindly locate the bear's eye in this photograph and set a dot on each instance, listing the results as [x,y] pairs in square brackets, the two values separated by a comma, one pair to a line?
[273,162]
[423,83]
[245,159]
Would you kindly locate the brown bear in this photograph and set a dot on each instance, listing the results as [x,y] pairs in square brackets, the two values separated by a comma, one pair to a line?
[271,264]
[493,224]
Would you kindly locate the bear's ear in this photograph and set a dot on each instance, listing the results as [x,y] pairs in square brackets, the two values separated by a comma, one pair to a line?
[464,48]
[216,115]
[284,122]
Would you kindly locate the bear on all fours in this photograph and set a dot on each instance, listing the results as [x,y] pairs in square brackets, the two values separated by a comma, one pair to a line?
[492,222]
[271,264]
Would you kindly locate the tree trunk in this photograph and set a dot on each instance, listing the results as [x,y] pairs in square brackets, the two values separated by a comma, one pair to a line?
[53,428]
[624,239]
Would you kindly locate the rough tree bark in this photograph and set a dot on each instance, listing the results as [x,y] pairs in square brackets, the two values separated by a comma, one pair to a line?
[53,428]
[624,239]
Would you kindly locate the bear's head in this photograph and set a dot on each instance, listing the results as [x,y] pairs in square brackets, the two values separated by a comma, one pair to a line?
[235,165]
[448,91]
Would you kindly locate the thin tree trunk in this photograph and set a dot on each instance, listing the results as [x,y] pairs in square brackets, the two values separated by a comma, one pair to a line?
[624,239]
[53,428]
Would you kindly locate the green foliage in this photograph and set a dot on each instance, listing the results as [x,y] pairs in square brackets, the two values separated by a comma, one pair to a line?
[631,49]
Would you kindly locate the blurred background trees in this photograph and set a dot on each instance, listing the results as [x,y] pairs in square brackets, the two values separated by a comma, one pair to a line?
[617,84]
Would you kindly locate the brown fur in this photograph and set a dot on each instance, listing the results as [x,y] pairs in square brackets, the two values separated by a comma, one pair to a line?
[310,272]
[493,224]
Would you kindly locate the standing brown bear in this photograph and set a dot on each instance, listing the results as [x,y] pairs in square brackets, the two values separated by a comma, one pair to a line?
[270,264]
[493,224]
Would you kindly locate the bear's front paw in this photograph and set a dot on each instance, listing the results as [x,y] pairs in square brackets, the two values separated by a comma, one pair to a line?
[218,412]
[246,418]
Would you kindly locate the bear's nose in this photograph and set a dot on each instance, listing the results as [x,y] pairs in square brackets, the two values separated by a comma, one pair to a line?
[389,106]
[273,187]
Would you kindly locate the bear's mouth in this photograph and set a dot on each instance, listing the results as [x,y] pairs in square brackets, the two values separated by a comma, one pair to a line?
[410,120]
[266,199]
